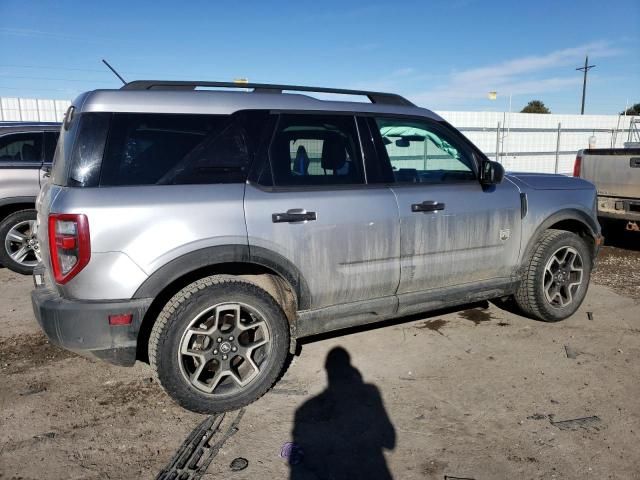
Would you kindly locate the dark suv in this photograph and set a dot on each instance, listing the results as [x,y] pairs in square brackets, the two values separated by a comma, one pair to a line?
[25,148]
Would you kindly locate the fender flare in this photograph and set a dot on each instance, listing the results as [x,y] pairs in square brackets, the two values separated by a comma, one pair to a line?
[567,214]
[14,200]
[221,254]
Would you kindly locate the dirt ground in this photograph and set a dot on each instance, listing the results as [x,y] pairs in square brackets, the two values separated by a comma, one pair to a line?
[479,393]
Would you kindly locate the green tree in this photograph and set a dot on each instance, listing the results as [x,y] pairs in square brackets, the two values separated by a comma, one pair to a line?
[535,106]
[634,110]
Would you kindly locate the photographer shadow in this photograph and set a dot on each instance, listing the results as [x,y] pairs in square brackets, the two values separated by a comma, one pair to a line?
[342,431]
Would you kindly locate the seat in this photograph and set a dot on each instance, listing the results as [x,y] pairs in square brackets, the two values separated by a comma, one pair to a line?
[301,162]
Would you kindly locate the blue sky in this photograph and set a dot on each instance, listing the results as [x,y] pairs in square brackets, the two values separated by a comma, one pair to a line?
[443,54]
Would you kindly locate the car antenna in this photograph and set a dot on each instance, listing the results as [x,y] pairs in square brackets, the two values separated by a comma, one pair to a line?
[114,71]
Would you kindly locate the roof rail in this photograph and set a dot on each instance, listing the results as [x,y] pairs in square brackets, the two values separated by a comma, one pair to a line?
[374,97]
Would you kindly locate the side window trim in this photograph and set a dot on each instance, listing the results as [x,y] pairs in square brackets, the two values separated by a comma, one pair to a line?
[377,165]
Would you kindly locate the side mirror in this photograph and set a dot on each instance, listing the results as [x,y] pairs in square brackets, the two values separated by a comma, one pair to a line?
[492,173]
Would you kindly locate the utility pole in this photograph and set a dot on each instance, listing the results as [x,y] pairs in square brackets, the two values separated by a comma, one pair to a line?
[584,69]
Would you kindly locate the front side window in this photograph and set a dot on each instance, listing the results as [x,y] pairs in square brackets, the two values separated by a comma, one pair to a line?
[315,150]
[424,152]
[21,147]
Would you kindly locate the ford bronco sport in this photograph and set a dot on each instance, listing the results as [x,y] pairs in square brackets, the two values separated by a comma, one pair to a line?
[25,148]
[205,231]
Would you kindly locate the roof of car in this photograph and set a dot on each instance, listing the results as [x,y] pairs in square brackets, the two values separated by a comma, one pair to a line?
[16,127]
[182,97]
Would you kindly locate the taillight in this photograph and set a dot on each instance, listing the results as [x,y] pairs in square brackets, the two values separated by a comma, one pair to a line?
[69,245]
[577,165]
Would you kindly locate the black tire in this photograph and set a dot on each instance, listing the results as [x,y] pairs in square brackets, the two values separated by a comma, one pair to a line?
[530,297]
[16,218]
[170,330]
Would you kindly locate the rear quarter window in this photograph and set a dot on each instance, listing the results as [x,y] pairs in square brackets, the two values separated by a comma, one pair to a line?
[168,149]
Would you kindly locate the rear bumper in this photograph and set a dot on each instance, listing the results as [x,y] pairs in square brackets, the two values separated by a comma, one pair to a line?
[83,327]
[619,208]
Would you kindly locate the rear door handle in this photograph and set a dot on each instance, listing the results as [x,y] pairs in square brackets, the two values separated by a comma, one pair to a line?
[634,162]
[427,206]
[294,215]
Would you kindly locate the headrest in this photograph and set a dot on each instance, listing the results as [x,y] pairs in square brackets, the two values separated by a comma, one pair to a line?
[334,154]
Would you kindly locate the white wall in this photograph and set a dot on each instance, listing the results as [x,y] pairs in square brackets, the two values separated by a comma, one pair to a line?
[32,110]
[514,141]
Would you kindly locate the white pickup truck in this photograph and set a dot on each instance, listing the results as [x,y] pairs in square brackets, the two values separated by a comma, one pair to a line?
[616,175]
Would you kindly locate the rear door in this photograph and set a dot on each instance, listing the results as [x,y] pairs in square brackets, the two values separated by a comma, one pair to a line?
[453,230]
[311,205]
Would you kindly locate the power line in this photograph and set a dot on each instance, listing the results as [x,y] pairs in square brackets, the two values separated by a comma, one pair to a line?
[87,80]
[54,68]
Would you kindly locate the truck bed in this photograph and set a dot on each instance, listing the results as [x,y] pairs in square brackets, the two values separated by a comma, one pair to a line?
[616,175]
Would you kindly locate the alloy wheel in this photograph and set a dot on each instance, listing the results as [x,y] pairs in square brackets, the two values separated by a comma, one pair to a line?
[21,243]
[563,276]
[223,348]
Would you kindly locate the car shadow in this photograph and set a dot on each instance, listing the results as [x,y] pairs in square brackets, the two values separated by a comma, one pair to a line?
[616,236]
[342,432]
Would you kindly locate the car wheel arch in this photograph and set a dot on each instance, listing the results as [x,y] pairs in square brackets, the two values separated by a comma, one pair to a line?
[268,270]
[571,220]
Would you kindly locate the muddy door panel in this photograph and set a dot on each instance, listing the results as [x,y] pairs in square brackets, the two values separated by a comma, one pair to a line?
[345,243]
[455,234]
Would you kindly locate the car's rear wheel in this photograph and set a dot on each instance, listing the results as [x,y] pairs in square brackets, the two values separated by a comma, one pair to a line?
[557,277]
[19,249]
[219,344]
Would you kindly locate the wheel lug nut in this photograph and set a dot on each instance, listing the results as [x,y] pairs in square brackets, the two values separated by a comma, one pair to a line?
[234,349]
[231,339]
[215,352]
[224,357]
[219,339]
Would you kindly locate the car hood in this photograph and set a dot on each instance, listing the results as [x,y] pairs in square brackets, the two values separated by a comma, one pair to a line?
[550,181]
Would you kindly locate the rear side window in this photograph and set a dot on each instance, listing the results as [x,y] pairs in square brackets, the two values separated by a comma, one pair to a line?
[21,147]
[167,149]
[315,150]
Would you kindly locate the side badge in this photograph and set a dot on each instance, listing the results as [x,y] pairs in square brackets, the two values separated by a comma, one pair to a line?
[505,234]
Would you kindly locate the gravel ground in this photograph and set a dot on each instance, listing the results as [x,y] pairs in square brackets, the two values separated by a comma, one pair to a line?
[477,393]
[619,263]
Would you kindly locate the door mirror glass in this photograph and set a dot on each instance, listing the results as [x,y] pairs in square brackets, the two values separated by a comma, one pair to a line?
[492,173]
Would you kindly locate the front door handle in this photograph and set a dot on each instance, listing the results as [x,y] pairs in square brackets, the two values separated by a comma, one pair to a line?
[294,215]
[427,206]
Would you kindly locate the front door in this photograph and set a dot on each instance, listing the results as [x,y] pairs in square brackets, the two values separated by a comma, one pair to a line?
[312,206]
[454,231]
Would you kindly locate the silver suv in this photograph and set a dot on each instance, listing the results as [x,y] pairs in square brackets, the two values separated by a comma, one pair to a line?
[206,231]
[26,150]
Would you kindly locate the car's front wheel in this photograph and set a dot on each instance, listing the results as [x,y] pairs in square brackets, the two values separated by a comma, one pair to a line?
[219,344]
[557,277]
[19,249]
